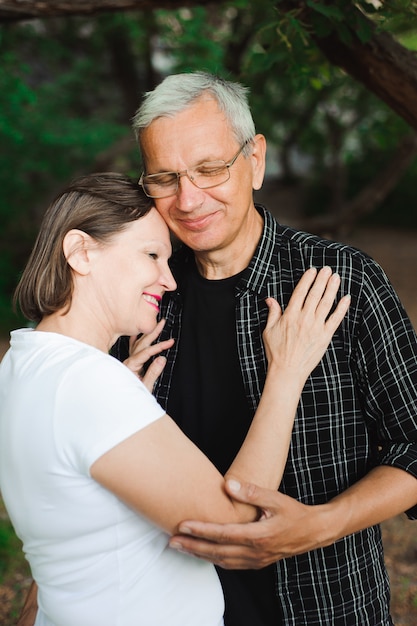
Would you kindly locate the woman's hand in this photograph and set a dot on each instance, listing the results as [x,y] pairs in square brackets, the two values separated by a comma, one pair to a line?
[142,349]
[296,340]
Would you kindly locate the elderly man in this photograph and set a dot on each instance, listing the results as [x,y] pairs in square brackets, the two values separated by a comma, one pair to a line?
[316,555]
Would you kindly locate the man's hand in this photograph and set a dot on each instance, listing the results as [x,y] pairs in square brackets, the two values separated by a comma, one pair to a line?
[141,350]
[286,527]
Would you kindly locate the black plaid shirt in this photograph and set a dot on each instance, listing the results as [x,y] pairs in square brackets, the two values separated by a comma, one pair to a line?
[358,410]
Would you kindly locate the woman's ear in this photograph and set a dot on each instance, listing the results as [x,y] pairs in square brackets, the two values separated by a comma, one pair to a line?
[77,247]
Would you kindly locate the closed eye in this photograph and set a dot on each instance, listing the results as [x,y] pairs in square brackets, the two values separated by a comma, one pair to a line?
[163,179]
[211,168]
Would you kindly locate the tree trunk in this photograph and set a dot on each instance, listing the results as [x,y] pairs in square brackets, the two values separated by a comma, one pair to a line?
[12,10]
[383,65]
[370,197]
[378,189]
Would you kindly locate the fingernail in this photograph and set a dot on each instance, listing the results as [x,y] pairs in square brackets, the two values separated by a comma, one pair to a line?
[234,485]
[184,530]
[179,548]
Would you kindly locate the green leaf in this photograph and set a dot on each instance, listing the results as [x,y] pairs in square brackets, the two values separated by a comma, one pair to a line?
[329,11]
[364,29]
[345,34]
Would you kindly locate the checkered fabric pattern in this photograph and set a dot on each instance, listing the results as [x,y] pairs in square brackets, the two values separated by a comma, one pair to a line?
[358,410]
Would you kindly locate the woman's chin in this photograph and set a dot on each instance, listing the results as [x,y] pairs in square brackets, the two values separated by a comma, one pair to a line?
[145,328]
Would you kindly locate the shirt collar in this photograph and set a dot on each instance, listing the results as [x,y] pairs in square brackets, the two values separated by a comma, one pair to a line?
[257,275]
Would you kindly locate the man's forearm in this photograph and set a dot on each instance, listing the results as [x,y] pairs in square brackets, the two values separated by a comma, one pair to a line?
[30,608]
[383,493]
[289,527]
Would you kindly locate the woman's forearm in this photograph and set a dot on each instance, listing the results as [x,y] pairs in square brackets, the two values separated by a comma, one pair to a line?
[263,455]
[294,344]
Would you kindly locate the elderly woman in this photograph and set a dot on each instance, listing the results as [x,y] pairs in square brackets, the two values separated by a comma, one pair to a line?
[95,476]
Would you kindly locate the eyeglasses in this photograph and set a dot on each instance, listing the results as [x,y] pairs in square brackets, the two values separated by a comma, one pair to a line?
[204,176]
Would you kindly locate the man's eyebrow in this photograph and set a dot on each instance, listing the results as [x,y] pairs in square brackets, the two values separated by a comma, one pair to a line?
[196,164]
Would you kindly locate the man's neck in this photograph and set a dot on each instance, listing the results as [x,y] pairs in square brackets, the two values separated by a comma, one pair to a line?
[229,261]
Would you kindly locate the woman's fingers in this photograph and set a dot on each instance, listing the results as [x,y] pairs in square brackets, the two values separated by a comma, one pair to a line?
[322,297]
[297,339]
[153,372]
[316,293]
[302,288]
[143,349]
[136,345]
[338,314]
[274,313]
[315,289]
[323,292]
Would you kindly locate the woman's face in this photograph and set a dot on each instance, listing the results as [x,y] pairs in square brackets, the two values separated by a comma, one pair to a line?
[130,275]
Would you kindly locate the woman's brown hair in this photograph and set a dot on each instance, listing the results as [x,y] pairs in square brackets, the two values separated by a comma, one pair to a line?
[100,205]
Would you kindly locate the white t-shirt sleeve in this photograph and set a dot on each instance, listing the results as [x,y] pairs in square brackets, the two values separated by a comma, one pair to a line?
[99,403]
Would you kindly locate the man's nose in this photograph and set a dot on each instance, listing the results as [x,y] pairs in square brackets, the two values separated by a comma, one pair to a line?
[188,195]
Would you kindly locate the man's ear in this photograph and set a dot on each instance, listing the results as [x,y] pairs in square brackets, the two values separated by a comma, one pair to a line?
[258,160]
[77,247]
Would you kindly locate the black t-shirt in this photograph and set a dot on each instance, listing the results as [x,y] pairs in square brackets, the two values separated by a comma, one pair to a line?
[208,402]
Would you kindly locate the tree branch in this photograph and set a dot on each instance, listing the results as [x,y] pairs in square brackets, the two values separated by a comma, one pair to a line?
[383,65]
[13,10]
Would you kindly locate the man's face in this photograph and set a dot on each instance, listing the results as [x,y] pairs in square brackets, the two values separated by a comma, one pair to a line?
[212,219]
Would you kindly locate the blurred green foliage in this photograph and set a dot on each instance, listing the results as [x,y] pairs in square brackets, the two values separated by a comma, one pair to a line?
[11,555]
[14,571]
[69,87]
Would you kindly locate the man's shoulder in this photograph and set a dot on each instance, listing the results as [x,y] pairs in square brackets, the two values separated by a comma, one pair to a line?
[292,240]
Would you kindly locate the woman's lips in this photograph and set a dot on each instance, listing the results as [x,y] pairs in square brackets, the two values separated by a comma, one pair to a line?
[153,299]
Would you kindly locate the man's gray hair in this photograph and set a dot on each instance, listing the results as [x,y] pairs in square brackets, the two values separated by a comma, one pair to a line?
[179,91]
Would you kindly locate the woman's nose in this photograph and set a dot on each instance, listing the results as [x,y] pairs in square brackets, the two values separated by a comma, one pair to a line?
[168,280]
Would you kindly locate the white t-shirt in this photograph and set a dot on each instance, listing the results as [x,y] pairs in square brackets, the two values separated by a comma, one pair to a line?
[63,404]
